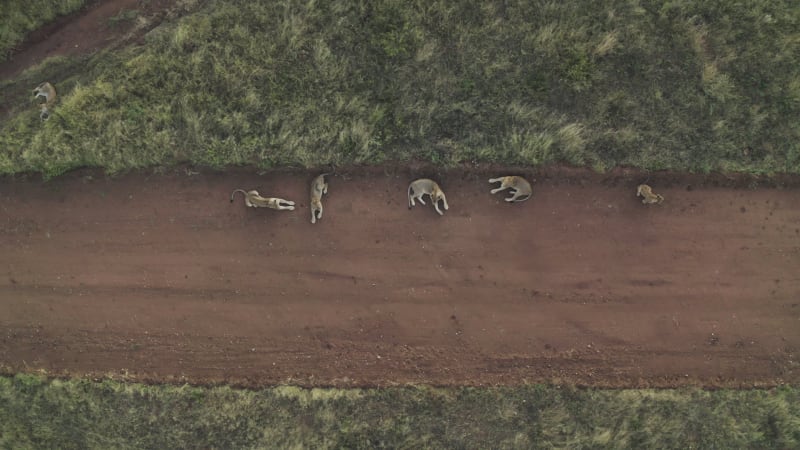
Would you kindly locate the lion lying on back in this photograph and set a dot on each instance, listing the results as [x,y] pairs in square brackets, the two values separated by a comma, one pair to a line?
[254,200]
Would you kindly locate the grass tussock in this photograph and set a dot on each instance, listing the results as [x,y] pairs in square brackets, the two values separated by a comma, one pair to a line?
[82,414]
[19,17]
[696,86]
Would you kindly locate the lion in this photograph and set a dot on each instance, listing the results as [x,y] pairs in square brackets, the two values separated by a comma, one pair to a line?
[48,91]
[254,200]
[647,192]
[424,186]
[318,187]
[520,186]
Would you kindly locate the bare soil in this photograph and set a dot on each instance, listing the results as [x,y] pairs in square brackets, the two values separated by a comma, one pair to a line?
[158,277]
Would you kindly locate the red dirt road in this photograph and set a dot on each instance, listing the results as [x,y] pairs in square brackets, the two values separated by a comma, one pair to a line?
[160,278]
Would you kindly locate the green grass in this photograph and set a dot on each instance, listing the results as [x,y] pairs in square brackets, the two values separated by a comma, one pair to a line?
[690,86]
[38,413]
[19,17]
[125,15]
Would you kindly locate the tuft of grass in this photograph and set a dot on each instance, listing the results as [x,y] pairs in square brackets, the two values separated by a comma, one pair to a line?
[41,413]
[126,15]
[685,86]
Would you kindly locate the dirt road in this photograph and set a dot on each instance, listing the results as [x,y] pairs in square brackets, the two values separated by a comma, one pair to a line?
[85,31]
[159,277]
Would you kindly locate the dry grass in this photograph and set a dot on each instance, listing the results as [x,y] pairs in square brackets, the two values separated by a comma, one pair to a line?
[81,414]
[684,86]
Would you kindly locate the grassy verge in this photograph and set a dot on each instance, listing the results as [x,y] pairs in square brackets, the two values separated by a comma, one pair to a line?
[81,414]
[19,17]
[696,86]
